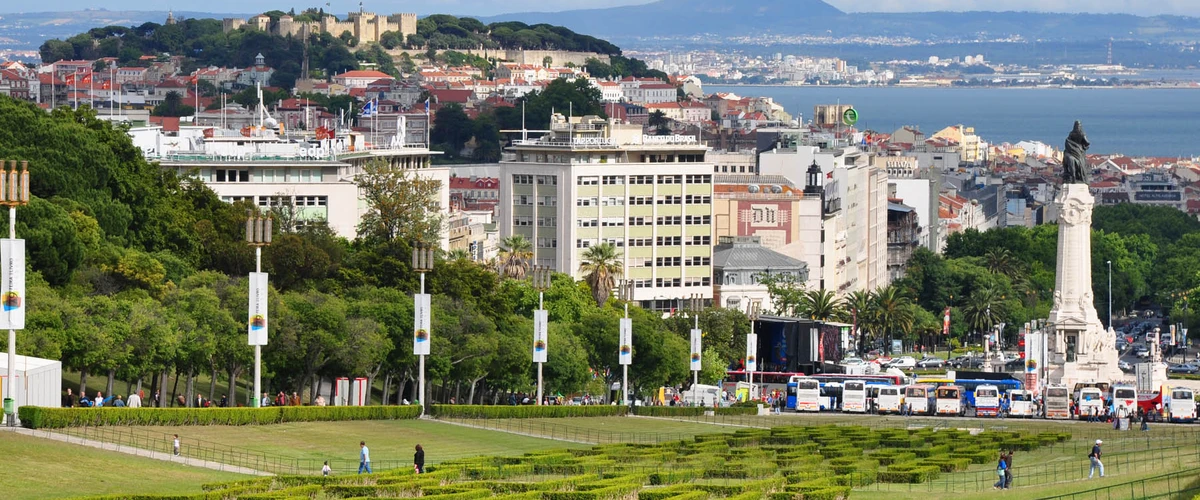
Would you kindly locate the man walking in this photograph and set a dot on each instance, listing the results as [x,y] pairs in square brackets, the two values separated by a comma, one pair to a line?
[135,401]
[176,445]
[1096,463]
[364,458]
[68,400]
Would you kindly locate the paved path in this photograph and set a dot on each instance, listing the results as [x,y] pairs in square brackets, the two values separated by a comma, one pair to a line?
[156,455]
[519,433]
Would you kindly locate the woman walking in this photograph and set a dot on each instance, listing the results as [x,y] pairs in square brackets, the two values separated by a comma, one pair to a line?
[419,460]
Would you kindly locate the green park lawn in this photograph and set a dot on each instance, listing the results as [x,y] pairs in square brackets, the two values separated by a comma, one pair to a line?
[41,468]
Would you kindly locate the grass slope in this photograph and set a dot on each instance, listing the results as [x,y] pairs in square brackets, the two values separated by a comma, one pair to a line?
[40,468]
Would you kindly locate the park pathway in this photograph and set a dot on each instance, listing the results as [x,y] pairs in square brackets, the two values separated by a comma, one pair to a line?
[119,448]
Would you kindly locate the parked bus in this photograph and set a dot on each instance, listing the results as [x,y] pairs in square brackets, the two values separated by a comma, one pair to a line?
[831,396]
[949,400]
[918,398]
[808,394]
[1057,402]
[1090,402]
[987,401]
[1182,405]
[1124,399]
[1020,403]
[969,385]
[887,400]
[854,396]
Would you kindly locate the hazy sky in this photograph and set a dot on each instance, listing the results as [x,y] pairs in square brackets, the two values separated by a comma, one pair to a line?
[491,7]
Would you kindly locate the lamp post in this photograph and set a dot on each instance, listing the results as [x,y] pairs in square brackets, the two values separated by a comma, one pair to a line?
[14,192]
[751,347]
[258,235]
[541,322]
[695,305]
[625,348]
[422,262]
[1110,325]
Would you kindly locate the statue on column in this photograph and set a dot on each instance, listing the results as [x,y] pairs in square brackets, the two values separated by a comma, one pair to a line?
[1075,166]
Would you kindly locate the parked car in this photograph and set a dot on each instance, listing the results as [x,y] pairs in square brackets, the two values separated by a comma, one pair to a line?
[970,363]
[852,361]
[1142,351]
[1190,368]
[903,363]
[931,363]
[1125,366]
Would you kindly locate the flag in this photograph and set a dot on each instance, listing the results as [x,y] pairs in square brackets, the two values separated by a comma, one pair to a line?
[426,105]
[369,108]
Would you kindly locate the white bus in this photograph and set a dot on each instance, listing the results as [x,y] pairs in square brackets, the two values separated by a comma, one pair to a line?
[888,399]
[1020,403]
[1057,402]
[808,394]
[854,396]
[987,401]
[1182,405]
[917,397]
[1124,399]
[1090,402]
[949,400]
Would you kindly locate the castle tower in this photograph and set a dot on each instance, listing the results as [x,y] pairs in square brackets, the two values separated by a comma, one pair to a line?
[286,26]
[170,17]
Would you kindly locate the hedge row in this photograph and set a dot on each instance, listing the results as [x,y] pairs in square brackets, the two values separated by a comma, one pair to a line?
[691,411]
[36,417]
[553,411]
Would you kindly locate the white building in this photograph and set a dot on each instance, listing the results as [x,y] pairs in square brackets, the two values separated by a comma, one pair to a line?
[360,79]
[591,181]
[317,178]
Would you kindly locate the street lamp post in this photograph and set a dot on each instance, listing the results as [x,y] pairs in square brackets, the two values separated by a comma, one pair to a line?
[14,192]
[751,348]
[258,235]
[422,262]
[1110,325]
[695,305]
[541,322]
[625,341]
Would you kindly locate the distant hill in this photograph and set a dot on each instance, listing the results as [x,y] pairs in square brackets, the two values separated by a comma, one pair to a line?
[682,18]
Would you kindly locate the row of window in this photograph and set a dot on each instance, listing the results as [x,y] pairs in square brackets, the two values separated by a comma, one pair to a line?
[542,201]
[608,201]
[281,201]
[547,180]
[592,180]
[674,282]
[675,220]
[670,241]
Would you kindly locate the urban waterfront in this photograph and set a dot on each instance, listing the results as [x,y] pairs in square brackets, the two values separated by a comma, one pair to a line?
[1135,122]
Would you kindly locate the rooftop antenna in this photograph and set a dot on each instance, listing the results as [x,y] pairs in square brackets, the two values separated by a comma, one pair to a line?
[258,88]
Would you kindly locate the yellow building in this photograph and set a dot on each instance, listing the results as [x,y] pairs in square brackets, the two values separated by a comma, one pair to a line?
[970,147]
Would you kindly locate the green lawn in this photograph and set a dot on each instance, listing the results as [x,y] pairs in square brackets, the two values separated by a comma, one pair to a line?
[390,441]
[604,429]
[41,468]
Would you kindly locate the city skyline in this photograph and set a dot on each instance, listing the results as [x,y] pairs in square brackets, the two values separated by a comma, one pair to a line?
[484,8]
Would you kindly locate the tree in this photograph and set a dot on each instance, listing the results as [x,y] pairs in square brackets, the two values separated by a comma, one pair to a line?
[401,204]
[515,254]
[786,291]
[451,130]
[660,123]
[983,309]
[821,305]
[893,310]
[172,105]
[601,265]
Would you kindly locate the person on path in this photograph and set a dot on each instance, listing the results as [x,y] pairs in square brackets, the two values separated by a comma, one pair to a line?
[119,403]
[295,399]
[1096,463]
[266,401]
[1008,473]
[68,400]
[419,460]
[364,458]
[1002,472]
[135,401]
[325,470]
[176,445]
[99,399]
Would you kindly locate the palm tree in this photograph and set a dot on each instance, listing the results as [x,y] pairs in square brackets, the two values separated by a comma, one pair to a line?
[857,309]
[458,254]
[1000,261]
[893,309]
[821,305]
[515,253]
[982,308]
[602,264]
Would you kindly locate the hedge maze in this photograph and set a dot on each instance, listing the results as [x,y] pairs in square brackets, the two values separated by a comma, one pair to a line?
[781,463]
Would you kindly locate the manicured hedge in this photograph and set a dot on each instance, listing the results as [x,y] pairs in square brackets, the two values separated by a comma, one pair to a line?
[553,411]
[691,411]
[36,417]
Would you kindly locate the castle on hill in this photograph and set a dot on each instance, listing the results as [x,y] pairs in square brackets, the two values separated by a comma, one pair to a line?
[365,26]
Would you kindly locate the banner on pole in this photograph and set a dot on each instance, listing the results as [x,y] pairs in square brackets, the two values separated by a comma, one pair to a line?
[751,352]
[626,342]
[541,323]
[256,324]
[12,289]
[697,349]
[946,323]
[421,339]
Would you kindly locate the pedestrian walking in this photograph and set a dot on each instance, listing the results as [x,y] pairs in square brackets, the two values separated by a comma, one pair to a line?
[364,458]
[325,470]
[176,445]
[1008,473]
[1095,457]
[134,401]
[1001,472]
[419,460]
[265,402]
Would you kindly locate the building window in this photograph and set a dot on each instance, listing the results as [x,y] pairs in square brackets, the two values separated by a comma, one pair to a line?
[667,261]
[613,222]
[698,219]
[641,179]
[587,181]
[586,202]
[697,261]
[670,179]
[670,200]
[669,241]
[522,179]
[611,180]
[547,243]
[616,242]
[641,200]
[521,220]
[547,180]
[640,221]
[547,201]
[697,199]
[584,243]
[666,282]
[670,220]
[615,201]
[699,179]
[587,222]
[523,199]
[547,222]
[641,242]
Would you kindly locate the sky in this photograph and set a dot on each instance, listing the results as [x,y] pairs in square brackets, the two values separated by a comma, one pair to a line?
[492,7]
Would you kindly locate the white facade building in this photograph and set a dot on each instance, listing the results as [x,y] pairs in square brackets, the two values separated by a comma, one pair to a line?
[592,181]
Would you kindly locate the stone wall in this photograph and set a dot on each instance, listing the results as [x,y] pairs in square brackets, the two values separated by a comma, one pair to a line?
[559,57]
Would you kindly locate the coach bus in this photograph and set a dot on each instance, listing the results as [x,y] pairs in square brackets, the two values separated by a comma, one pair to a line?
[808,393]
[1057,402]
[854,396]
[918,398]
[949,400]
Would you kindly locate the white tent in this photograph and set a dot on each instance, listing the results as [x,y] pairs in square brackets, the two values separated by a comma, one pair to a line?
[39,381]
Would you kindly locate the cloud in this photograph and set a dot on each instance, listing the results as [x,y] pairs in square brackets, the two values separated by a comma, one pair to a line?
[1138,7]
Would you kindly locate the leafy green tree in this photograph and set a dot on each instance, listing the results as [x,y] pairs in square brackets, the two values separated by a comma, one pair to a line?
[786,291]
[451,130]
[821,305]
[400,203]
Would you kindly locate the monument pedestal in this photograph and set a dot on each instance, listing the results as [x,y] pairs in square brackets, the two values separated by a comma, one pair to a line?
[1079,349]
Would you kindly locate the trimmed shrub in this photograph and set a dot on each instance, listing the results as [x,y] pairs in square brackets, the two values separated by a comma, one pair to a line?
[906,473]
[36,417]
[553,411]
[670,411]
